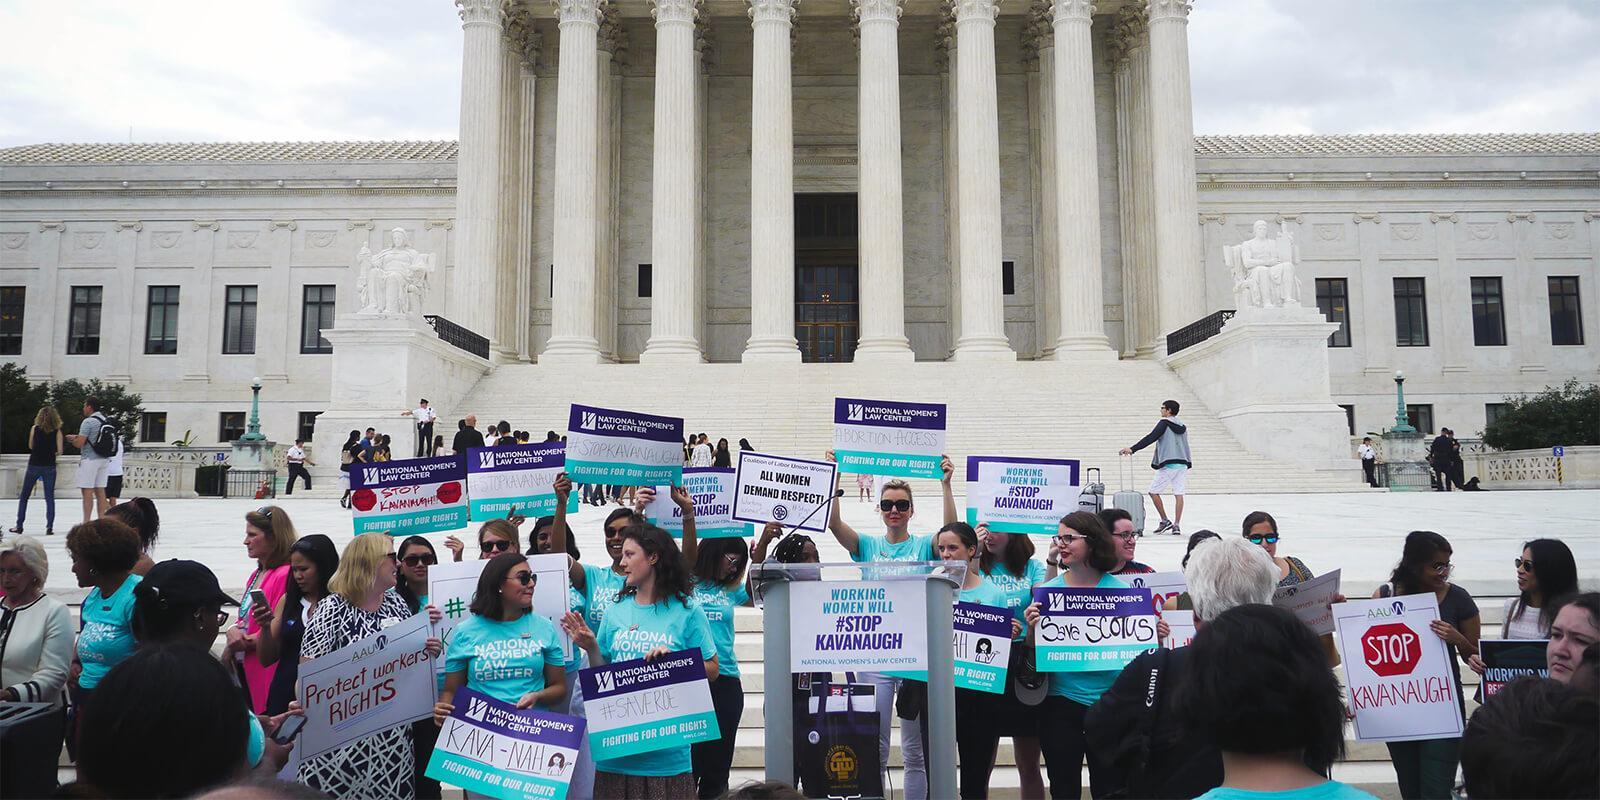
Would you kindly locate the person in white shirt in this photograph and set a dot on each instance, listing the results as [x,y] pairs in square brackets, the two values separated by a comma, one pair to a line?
[114,477]
[424,417]
[36,646]
[1369,461]
[701,455]
[297,461]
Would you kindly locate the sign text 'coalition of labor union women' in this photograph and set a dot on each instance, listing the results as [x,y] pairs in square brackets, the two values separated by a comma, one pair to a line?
[711,490]
[522,477]
[881,437]
[623,448]
[1397,669]
[489,747]
[370,685]
[1020,495]
[640,706]
[870,626]
[417,495]
[1087,630]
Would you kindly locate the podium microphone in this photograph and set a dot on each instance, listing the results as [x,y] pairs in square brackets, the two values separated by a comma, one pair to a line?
[837,493]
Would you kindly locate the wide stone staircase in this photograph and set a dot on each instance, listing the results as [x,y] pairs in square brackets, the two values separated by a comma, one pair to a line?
[1086,411]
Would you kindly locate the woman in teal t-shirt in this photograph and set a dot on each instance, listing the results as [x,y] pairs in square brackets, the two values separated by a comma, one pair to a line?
[504,650]
[1088,554]
[1010,565]
[103,553]
[652,616]
[719,589]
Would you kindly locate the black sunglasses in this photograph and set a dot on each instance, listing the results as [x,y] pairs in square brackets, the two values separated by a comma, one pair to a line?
[1270,538]
[420,558]
[523,578]
[497,546]
[1524,563]
[895,505]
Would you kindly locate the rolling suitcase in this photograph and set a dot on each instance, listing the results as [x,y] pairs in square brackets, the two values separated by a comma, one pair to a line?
[1092,497]
[1129,500]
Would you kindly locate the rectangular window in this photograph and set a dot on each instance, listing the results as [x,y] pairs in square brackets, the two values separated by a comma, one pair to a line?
[646,280]
[1492,412]
[239,321]
[1333,299]
[1566,314]
[230,426]
[1488,313]
[1420,417]
[1410,312]
[161,321]
[83,327]
[308,423]
[153,427]
[13,302]
[1350,418]
[1008,278]
[316,315]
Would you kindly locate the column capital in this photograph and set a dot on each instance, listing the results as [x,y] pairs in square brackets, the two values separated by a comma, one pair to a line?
[877,11]
[579,11]
[1037,35]
[1072,11]
[772,11]
[981,10]
[944,42]
[704,45]
[529,46]
[1437,217]
[1160,10]
[481,12]
[674,12]
[613,38]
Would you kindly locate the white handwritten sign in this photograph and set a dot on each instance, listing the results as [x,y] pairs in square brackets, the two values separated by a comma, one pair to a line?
[368,686]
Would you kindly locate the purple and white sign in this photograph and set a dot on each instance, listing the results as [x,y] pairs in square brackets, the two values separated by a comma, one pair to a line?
[417,495]
[1020,495]
[623,448]
[494,748]
[711,490]
[641,706]
[1089,630]
[520,478]
[882,437]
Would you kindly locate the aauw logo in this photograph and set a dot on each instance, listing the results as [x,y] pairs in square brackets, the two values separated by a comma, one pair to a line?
[486,460]
[476,708]
[377,645]
[1058,602]
[590,418]
[605,681]
[854,411]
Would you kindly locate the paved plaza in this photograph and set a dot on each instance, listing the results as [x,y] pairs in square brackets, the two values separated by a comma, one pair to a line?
[1358,533]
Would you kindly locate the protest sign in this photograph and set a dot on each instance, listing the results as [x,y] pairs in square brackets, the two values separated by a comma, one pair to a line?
[452,584]
[639,706]
[792,491]
[494,748]
[711,488]
[1182,625]
[1397,669]
[417,495]
[370,685]
[1311,601]
[1163,586]
[880,437]
[1020,495]
[623,448]
[520,478]
[1505,660]
[1087,630]
[860,626]
[983,647]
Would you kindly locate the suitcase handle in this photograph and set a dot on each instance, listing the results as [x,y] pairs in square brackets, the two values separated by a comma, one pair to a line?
[1124,472]
[1096,477]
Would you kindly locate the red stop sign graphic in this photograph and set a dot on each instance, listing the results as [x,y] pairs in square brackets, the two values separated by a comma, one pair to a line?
[1391,649]
[449,492]
[363,499]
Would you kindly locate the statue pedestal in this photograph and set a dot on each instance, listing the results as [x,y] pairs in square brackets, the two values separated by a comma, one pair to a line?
[1266,377]
[1405,466]
[381,366]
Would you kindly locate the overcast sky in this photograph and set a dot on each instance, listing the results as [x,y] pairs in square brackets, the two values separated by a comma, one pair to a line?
[211,70]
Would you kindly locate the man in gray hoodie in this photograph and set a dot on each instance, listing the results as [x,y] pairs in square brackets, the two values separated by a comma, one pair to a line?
[1170,461]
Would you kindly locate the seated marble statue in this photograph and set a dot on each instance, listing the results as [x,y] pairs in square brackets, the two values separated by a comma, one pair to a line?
[394,280]
[1264,269]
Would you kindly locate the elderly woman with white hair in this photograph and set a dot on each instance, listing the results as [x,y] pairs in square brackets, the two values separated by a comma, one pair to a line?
[36,640]
[1221,574]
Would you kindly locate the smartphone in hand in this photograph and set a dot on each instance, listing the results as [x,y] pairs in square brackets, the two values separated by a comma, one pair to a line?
[290,728]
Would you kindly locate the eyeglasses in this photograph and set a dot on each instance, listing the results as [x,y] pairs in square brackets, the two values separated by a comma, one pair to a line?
[1069,538]
[496,546]
[523,578]
[1270,538]
[222,617]
[901,506]
[420,558]
[1523,563]
[1442,567]
[1126,536]
[390,556]
[733,558]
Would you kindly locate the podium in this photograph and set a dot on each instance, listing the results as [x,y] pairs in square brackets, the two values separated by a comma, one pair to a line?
[940,580]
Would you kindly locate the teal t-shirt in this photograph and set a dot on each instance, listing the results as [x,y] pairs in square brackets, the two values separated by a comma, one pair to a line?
[629,632]
[106,637]
[879,548]
[718,602]
[601,585]
[985,593]
[1018,591]
[1331,790]
[504,660]
[1084,688]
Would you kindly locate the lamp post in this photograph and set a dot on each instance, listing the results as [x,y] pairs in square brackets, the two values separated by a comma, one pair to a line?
[253,429]
[1402,422]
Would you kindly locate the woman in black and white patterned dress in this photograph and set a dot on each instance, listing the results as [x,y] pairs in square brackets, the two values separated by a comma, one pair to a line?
[361,601]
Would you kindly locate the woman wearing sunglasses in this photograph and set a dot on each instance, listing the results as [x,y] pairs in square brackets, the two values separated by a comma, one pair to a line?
[268,537]
[1261,529]
[312,562]
[1427,768]
[1087,556]
[1546,573]
[504,650]
[494,537]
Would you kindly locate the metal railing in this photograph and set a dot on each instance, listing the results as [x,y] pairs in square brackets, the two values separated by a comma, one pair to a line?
[457,336]
[1197,331]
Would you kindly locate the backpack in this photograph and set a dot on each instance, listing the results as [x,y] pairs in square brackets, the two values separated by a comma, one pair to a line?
[105,441]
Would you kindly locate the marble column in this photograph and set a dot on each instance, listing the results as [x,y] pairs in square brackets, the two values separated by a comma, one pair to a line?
[983,332]
[1077,187]
[672,218]
[572,319]
[771,185]
[1040,35]
[945,44]
[1178,272]
[882,275]
[522,289]
[612,42]
[502,342]
[478,167]
[1148,320]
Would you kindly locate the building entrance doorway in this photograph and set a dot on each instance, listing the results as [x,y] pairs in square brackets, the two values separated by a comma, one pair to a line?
[826,261]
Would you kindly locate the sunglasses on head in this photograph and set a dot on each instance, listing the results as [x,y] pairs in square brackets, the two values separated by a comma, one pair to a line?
[420,558]
[1258,538]
[901,506]
[496,546]
[523,578]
